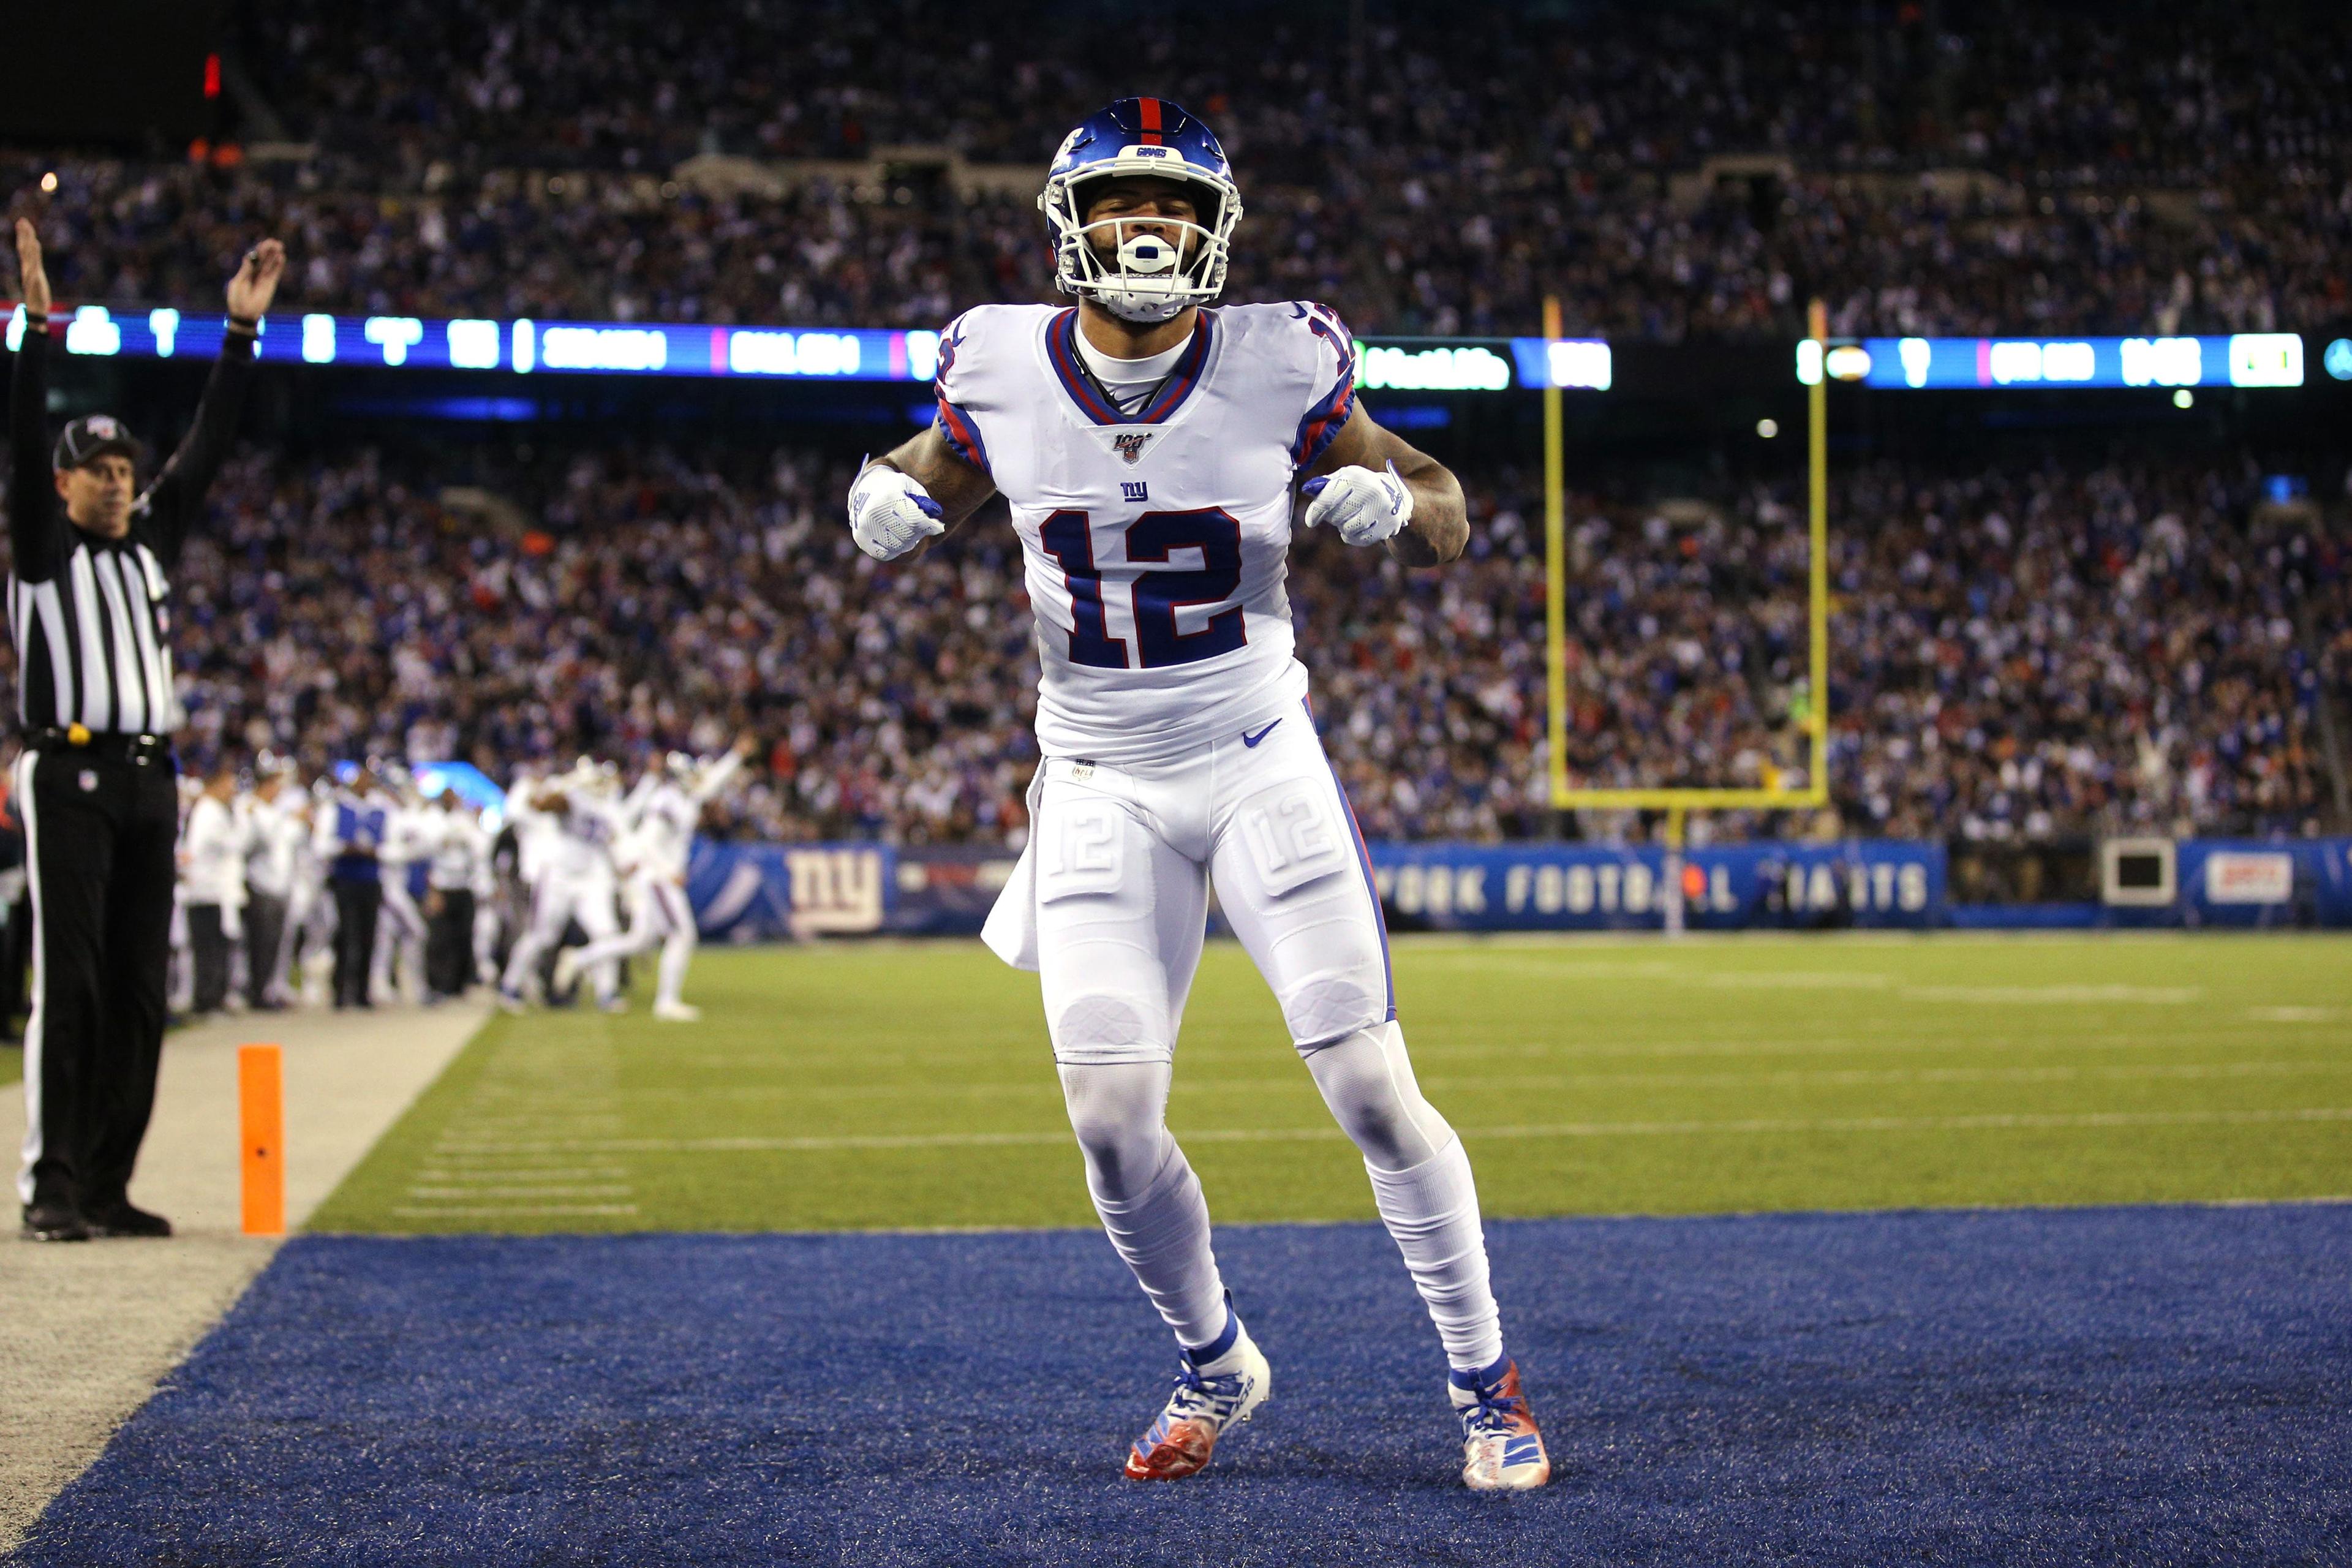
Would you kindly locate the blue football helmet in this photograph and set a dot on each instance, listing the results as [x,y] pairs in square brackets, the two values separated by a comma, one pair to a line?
[1143,277]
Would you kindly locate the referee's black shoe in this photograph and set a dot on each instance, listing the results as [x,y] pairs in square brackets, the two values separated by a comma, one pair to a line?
[52,1219]
[123,1217]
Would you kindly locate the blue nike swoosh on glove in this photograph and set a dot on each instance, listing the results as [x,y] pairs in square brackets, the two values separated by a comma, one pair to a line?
[1251,740]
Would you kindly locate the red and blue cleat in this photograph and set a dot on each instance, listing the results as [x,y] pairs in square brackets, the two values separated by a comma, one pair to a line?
[1502,1451]
[1200,1410]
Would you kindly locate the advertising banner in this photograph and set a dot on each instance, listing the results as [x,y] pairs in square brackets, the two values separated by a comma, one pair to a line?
[2266,882]
[1584,887]
[768,892]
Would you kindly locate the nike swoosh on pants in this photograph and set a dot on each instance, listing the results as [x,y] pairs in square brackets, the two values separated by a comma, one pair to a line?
[1250,739]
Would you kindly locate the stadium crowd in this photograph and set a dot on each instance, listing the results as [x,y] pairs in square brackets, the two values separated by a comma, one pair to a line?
[2020,651]
[2019,169]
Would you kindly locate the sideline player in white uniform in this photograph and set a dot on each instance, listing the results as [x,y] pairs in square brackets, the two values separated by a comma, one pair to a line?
[412,830]
[314,928]
[575,880]
[653,857]
[1148,446]
[277,845]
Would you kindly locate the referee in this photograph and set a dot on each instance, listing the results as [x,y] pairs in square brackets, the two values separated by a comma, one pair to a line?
[87,595]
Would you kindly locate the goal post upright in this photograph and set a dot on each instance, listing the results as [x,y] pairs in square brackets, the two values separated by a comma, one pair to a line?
[1817,463]
[1555,569]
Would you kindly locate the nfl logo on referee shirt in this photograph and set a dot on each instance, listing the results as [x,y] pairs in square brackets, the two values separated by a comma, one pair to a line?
[1130,444]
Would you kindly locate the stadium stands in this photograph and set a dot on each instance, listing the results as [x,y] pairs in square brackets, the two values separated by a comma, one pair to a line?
[1670,175]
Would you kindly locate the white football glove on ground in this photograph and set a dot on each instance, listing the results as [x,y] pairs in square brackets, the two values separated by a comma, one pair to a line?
[1365,507]
[890,513]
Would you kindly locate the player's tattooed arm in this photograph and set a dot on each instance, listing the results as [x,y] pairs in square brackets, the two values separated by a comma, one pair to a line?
[1440,525]
[960,487]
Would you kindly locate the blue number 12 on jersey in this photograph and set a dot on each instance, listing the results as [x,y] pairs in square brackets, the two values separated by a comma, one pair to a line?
[1068,538]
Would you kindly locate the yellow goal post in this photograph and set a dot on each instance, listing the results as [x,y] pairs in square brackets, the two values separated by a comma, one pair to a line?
[1675,802]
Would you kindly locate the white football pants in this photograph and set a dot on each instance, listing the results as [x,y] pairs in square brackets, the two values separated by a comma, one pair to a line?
[486,938]
[658,915]
[314,946]
[1125,859]
[399,940]
[556,902]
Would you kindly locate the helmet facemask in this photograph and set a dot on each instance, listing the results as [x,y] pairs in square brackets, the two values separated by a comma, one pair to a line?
[1141,268]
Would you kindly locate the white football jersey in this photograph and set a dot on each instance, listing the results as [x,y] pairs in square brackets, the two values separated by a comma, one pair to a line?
[1157,543]
[589,828]
[663,839]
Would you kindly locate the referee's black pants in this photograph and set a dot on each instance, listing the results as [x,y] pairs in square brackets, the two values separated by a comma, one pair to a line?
[16,955]
[98,836]
[208,945]
[357,903]
[265,936]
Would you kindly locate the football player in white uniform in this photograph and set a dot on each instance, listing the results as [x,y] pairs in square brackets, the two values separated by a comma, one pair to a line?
[652,856]
[573,882]
[1148,446]
[411,831]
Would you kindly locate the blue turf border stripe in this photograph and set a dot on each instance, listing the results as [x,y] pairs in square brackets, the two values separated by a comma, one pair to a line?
[1972,1386]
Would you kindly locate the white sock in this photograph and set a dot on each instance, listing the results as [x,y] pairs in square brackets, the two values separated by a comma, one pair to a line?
[1432,1211]
[1163,1234]
[677,951]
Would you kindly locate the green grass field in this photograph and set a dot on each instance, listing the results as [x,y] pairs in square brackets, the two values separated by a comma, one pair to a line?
[909,1086]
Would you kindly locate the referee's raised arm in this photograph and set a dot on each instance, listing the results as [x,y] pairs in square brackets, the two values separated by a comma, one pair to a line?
[175,503]
[35,521]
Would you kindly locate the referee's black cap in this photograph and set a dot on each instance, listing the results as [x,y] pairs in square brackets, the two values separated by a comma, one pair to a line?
[90,438]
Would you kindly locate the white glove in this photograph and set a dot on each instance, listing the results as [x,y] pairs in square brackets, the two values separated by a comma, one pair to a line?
[890,513]
[1365,507]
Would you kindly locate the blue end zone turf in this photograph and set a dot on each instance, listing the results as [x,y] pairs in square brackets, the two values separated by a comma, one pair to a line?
[2145,1385]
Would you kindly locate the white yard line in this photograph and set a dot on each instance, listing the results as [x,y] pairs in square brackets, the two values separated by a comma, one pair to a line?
[2035,996]
[531,1089]
[86,1329]
[1195,1086]
[1703,1127]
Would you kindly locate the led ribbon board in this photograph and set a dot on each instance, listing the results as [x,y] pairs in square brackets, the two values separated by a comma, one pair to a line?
[520,347]
[821,354]
[1898,364]
[1383,364]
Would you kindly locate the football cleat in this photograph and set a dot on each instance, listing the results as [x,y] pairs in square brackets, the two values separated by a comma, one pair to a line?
[1179,1443]
[677,1011]
[511,1002]
[1501,1449]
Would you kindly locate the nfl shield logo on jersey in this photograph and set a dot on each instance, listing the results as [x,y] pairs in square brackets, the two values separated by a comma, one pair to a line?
[1130,444]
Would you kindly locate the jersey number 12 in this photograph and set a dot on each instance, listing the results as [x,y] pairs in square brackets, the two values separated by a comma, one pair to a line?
[1068,538]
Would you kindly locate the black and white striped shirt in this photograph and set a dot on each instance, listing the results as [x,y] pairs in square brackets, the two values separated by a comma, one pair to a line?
[91,616]
[93,642]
